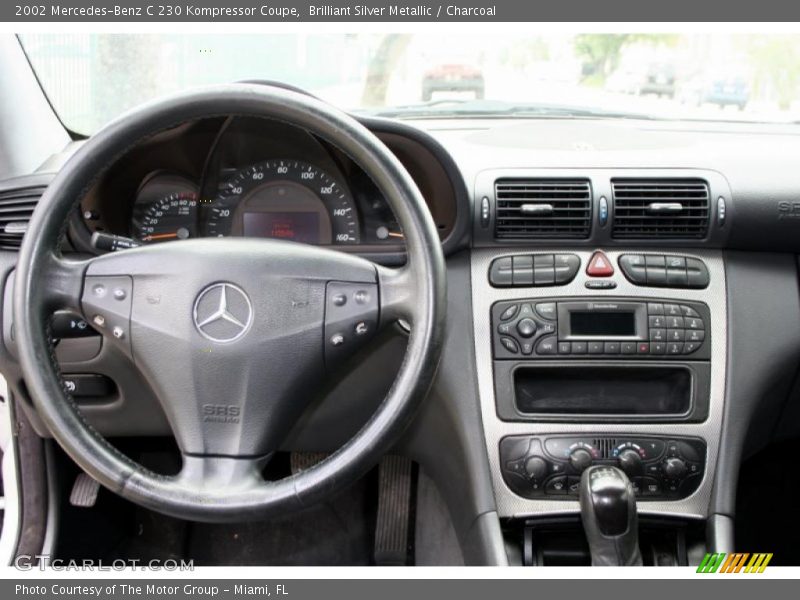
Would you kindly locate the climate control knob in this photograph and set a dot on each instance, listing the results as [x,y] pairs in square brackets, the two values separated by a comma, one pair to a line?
[580,459]
[536,467]
[675,468]
[630,462]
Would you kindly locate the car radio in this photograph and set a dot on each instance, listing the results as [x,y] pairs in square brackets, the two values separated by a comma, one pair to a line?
[602,327]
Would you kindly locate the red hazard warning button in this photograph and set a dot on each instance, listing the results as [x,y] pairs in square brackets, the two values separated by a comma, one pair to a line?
[599,266]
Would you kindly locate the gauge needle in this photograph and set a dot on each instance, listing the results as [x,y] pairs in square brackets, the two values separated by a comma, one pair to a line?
[161,236]
[397,235]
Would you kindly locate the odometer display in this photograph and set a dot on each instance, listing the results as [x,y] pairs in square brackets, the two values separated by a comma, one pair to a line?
[284,199]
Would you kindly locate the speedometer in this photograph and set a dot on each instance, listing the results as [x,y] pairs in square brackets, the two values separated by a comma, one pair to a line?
[285,199]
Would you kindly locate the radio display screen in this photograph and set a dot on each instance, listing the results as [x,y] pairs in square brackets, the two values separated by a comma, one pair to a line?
[593,323]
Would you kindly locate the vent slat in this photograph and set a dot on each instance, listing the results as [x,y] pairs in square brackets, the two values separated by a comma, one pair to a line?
[570,199]
[633,218]
[16,206]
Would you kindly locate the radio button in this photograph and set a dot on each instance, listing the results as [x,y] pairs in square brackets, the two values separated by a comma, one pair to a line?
[675,335]
[693,323]
[672,310]
[657,321]
[547,345]
[658,335]
[612,348]
[658,348]
[655,308]
[564,347]
[509,313]
[505,328]
[690,347]
[643,348]
[596,347]
[547,310]
[510,345]
[688,311]
[526,327]
[628,347]
[693,335]
[675,348]
[675,322]
[579,347]
[526,347]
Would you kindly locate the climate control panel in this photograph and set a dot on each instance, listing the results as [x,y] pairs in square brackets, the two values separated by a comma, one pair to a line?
[659,468]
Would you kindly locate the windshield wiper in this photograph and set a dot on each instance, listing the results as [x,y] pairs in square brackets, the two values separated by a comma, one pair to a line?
[495,109]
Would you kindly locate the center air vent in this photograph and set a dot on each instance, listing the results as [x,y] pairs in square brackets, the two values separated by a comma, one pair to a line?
[660,208]
[16,208]
[542,208]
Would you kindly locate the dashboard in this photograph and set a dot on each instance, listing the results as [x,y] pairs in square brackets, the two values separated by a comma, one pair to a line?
[258,178]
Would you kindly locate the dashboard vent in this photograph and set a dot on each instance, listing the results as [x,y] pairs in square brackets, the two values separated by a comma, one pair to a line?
[16,208]
[542,208]
[660,208]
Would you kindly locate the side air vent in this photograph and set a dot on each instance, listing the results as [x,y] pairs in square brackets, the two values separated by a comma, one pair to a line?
[16,208]
[542,208]
[660,208]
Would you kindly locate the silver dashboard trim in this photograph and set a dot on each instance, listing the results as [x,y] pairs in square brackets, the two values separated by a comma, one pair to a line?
[484,296]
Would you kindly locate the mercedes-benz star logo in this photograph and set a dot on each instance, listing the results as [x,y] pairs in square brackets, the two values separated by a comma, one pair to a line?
[222,312]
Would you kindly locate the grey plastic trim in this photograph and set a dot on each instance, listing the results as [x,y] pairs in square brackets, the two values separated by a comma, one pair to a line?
[484,295]
[11,499]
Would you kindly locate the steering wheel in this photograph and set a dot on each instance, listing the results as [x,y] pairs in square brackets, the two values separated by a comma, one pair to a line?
[231,334]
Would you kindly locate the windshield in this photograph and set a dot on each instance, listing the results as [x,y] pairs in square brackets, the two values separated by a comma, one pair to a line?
[91,79]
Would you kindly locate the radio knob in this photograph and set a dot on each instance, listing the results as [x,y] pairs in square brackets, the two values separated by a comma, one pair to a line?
[630,462]
[536,467]
[526,327]
[580,459]
[674,468]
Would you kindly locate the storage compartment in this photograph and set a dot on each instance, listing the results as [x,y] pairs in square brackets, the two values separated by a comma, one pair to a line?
[603,390]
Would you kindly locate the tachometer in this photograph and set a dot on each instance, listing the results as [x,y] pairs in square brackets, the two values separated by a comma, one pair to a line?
[172,217]
[285,199]
[165,209]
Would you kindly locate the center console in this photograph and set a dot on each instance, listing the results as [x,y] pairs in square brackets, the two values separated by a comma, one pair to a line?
[600,357]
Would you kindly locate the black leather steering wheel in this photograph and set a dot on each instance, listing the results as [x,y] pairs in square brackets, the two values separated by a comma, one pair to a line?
[232,334]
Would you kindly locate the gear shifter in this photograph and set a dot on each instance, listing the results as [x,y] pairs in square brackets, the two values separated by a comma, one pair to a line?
[608,512]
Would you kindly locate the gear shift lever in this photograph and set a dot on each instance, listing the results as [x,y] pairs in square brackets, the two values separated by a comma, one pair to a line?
[608,512]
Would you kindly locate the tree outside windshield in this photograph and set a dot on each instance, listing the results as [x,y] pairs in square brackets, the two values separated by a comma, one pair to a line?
[91,79]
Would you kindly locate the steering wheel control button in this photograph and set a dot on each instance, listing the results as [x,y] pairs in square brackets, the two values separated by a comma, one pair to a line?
[108,312]
[222,312]
[599,266]
[348,325]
